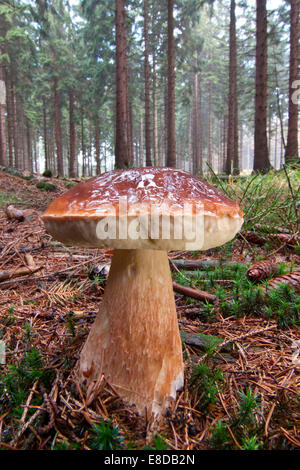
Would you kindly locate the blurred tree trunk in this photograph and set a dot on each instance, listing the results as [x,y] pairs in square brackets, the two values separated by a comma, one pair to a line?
[97,146]
[71,134]
[14,125]
[171,136]
[3,146]
[83,146]
[9,117]
[232,159]
[210,115]
[291,150]
[59,153]
[122,150]
[147,89]
[261,156]
[47,164]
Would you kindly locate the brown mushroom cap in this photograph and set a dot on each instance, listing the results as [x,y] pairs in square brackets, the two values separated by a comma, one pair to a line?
[73,218]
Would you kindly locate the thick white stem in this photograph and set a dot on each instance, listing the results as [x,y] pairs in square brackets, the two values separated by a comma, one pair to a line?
[135,339]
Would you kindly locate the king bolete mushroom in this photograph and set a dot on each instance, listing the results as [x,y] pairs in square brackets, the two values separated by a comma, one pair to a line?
[141,213]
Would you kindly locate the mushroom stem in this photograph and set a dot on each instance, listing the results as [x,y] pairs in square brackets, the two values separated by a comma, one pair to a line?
[135,339]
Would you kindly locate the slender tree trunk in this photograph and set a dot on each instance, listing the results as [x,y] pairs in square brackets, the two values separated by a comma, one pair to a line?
[59,152]
[22,131]
[83,146]
[71,134]
[130,132]
[195,125]
[261,157]
[29,146]
[190,142]
[122,151]
[154,103]
[147,88]
[291,150]
[232,160]
[47,165]
[210,145]
[15,125]
[141,152]
[97,146]
[171,138]
[8,111]
[3,147]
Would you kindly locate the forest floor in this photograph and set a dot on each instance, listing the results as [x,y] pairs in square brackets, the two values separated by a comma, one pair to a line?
[242,352]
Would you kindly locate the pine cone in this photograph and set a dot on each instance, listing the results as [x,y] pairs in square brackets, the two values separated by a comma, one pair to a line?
[256,238]
[292,279]
[284,238]
[261,270]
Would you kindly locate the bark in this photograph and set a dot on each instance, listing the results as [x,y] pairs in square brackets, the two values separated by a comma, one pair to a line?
[196,128]
[83,146]
[59,152]
[3,146]
[47,163]
[97,146]
[291,150]
[147,89]
[14,214]
[261,157]
[71,134]
[232,162]
[210,150]
[8,111]
[122,151]
[29,146]
[154,103]
[194,293]
[171,135]
[15,126]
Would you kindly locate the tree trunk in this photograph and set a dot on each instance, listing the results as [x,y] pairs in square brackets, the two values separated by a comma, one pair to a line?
[155,127]
[83,146]
[147,88]
[261,157]
[171,137]
[122,151]
[232,160]
[196,126]
[47,163]
[291,150]
[71,134]
[97,146]
[15,126]
[29,146]
[3,147]
[210,146]
[59,153]
[8,111]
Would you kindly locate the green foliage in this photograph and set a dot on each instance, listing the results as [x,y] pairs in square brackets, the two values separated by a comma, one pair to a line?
[220,438]
[106,436]
[247,406]
[206,381]
[158,444]
[243,425]
[19,378]
[47,174]
[45,186]
[284,303]
[250,443]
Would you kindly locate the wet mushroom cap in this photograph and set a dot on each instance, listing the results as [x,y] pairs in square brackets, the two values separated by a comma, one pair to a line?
[144,208]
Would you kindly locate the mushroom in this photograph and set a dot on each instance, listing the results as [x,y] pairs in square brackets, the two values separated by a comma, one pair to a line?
[141,214]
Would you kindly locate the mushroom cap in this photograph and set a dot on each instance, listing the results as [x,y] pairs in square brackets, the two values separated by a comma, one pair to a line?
[144,208]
